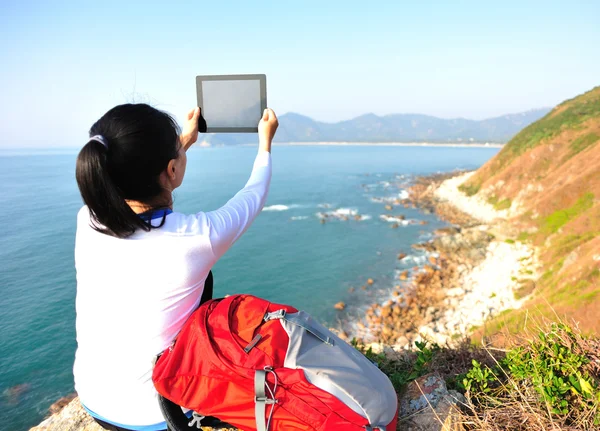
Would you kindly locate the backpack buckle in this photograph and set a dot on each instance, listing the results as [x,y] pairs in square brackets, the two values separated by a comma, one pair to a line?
[265,400]
[279,314]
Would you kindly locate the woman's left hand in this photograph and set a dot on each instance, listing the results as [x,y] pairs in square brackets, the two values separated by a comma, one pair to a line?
[189,134]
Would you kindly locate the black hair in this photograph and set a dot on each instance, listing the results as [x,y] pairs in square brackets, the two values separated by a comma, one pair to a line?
[140,142]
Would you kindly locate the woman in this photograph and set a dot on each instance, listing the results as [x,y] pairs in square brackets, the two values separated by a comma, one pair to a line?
[141,267]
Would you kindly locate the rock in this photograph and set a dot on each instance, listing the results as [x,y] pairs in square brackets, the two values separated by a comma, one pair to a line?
[427,405]
[403,275]
[432,260]
[394,225]
[446,231]
[340,305]
[401,256]
[370,281]
[423,222]
[351,290]
[13,394]
[389,207]
[74,418]
[71,418]
[58,405]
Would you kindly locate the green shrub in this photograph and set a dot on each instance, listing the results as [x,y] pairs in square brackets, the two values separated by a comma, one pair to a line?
[402,370]
[550,365]
[583,142]
[558,219]
[498,204]
[470,189]
[504,204]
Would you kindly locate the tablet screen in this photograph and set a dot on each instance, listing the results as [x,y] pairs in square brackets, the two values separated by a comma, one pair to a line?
[232,103]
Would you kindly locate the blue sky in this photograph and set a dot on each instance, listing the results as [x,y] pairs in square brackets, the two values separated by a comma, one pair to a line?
[63,64]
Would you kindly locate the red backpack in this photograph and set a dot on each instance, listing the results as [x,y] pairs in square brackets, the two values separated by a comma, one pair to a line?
[263,366]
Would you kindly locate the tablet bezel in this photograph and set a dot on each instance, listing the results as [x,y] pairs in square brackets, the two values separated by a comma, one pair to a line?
[263,98]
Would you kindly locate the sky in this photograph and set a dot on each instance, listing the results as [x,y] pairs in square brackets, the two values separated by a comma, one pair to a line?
[64,63]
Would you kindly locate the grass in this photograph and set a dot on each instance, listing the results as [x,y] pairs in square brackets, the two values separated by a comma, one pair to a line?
[524,236]
[548,380]
[568,115]
[558,219]
[498,204]
[583,142]
[526,287]
[470,189]
[568,243]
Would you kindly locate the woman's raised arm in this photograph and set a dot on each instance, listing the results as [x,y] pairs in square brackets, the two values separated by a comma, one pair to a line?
[230,221]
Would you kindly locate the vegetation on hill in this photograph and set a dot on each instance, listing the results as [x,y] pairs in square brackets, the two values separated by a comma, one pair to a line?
[548,178]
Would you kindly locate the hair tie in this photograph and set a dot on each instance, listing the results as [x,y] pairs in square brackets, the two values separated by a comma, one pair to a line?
[101,139]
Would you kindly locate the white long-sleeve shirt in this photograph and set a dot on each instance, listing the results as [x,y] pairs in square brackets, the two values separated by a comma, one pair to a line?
[135,294]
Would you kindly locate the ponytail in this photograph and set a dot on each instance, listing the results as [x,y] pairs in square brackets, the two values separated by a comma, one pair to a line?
[109,212]
[130,146]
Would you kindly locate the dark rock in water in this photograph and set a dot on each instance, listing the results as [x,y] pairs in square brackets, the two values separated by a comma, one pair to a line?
[401,256]
[13,394]
[340,305]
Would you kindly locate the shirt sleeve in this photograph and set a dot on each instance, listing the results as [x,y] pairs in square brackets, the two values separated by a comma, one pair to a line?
[230,221]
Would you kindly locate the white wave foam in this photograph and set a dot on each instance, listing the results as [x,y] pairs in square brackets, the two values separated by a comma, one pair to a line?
[403,194]
[392,219]
[345,212]
[280,207]
[298,218]
[276,208]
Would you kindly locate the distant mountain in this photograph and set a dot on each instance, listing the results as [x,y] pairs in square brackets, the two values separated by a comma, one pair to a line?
[391,128]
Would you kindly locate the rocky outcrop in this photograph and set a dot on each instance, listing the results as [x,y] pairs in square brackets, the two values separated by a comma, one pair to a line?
[73,417]
[427,405]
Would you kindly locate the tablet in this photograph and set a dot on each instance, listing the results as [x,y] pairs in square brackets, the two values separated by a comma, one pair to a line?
[232,103]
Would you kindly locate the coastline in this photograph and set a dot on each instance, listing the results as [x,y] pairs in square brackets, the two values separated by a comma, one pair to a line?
[442,300]
[471,274]
[386,144]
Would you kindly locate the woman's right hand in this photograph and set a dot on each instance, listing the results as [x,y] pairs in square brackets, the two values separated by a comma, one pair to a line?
[267,126]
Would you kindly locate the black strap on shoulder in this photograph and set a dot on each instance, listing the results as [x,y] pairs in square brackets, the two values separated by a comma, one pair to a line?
[174,416]
[207,293]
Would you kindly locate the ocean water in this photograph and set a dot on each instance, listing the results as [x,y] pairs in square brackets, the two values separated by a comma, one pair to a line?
[287,255]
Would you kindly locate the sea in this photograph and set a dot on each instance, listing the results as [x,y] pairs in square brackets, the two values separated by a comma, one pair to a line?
[318,240]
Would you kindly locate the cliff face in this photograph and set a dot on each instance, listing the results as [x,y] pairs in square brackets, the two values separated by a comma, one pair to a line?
[547,178]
